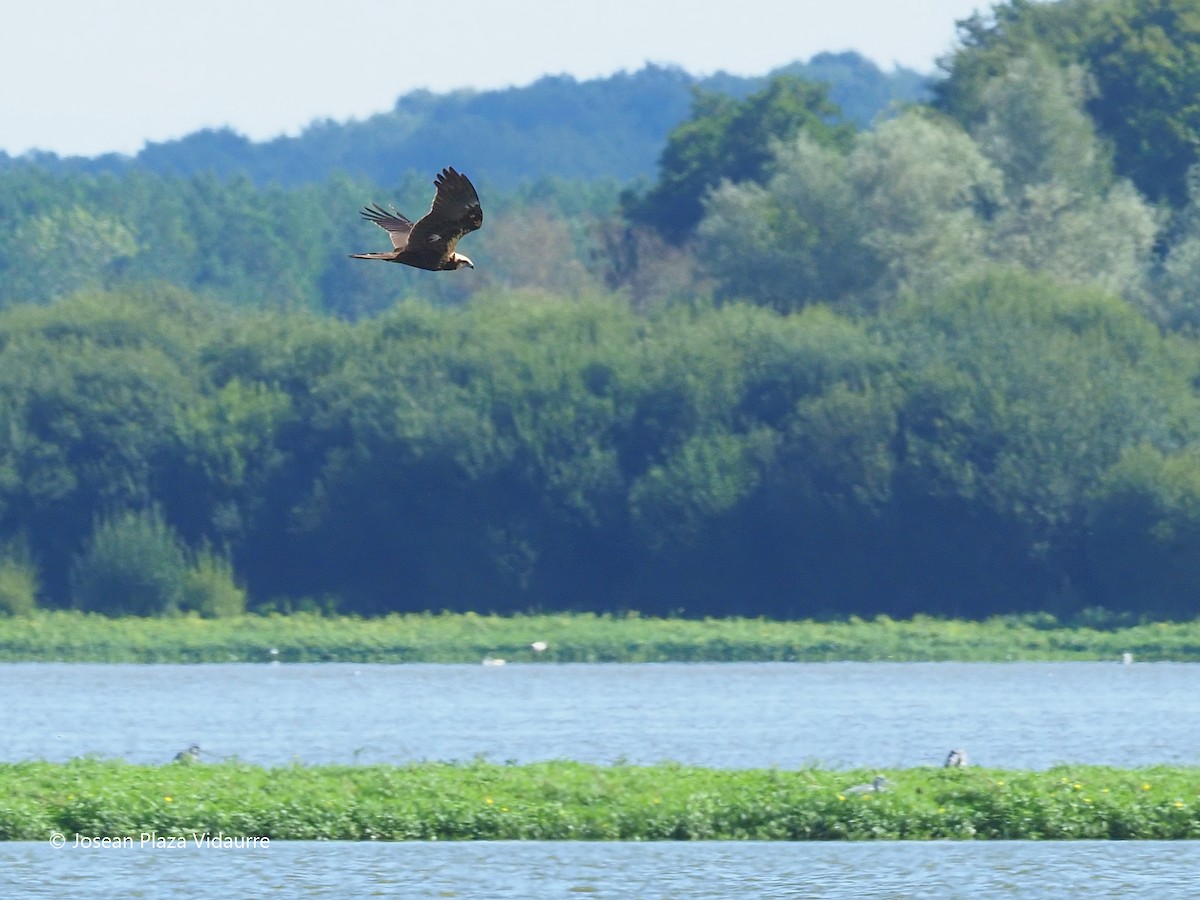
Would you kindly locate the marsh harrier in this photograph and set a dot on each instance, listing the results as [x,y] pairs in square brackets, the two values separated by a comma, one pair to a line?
[429,243]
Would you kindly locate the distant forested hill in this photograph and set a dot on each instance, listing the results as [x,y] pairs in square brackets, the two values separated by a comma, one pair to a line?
[611,127]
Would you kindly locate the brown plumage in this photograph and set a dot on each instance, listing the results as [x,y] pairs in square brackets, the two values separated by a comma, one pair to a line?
[429,244]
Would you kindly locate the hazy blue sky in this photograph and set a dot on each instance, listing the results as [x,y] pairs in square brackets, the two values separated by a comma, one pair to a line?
[89,76]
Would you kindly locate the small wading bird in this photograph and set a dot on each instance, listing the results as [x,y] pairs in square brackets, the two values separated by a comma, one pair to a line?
[956,759]
[191,754]
[878,785]
[429,243]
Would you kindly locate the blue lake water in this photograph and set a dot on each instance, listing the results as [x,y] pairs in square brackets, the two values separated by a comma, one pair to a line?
[731,715]
[728,715]
[500,870]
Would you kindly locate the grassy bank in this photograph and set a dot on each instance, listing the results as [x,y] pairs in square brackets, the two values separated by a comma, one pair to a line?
[565,800]
[306,637]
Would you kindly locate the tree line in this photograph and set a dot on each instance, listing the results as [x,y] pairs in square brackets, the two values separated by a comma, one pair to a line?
[1001,444]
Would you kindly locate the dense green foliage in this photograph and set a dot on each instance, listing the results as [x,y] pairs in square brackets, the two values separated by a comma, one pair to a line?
[971,452]
[1142,55]
[730,139]
[919,202]
[577,637]
[574,801]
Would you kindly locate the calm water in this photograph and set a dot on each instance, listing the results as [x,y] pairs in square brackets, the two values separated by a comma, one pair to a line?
[1015,715]
[662,870]
[728,715]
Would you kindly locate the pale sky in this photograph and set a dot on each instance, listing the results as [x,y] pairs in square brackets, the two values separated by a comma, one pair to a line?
[92,76]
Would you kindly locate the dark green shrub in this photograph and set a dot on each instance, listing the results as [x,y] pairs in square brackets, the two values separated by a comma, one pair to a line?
[133,565]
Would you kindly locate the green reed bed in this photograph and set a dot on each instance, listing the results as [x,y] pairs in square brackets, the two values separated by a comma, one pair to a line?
[573,637]
[567,801]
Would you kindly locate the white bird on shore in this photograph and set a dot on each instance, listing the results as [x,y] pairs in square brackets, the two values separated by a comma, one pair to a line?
[493,661]
[878,785]
[539,646]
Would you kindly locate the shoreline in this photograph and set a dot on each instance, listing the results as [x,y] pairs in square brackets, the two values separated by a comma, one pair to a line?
[65,636]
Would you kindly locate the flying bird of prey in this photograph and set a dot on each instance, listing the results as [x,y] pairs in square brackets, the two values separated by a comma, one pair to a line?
[429,243]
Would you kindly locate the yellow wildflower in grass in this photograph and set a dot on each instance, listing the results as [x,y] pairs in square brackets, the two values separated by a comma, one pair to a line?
[841,796]
[1077,786]
[168,799]
[488,801]
[1179,804]
[1145,787]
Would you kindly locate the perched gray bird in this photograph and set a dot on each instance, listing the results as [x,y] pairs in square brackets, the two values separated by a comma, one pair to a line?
[956,759]
[191,754]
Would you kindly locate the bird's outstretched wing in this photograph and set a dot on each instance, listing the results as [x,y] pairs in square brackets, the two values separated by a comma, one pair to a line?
[455,212]
[398,226]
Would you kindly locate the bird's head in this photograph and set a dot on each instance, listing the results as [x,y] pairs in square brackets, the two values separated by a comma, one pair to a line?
[460,261]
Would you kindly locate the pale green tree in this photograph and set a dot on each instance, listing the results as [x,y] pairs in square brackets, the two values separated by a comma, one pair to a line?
[1176,282]
[901,210]
[1105,240]
[1036,130]
[918,203]
[924,190]
[1177,288]
[1064,214]
[64,250]
[796,241]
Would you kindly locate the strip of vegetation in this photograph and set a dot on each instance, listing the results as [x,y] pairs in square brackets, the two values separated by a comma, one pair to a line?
[57,636]
[567,800]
